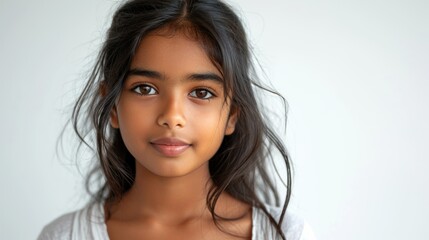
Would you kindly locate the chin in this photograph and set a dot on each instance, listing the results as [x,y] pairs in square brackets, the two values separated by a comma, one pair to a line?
[172,169]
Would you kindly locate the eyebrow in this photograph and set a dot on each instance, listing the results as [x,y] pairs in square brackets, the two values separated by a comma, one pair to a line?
[205,76]
[191,77]
[144,73]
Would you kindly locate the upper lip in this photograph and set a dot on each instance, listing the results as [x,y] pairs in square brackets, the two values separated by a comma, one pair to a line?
[169,141]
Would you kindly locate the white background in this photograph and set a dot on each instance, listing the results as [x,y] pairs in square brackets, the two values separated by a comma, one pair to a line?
[355,74]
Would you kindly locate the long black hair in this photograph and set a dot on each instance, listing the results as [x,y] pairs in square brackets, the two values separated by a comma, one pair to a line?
[239,167]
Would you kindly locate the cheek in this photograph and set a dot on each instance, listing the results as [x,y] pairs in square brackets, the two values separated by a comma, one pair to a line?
[209,124]
[133,120]
[135,126]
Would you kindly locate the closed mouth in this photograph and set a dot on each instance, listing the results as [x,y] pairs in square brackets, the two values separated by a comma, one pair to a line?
[170,147]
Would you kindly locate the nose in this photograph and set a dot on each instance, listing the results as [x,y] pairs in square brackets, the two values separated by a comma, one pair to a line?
[172,114]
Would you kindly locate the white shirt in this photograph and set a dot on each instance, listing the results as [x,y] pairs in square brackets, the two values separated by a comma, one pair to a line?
[88,223]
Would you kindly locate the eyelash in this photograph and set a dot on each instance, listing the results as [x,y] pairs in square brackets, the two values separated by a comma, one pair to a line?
[137,89]
[208,91]
[152,91]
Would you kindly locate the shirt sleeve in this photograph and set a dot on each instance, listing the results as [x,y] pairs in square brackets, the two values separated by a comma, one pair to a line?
[293,226]
[60,228]
[307,233]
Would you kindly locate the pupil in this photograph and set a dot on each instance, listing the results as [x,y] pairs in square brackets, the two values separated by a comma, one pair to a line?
[201,93]
[146,90]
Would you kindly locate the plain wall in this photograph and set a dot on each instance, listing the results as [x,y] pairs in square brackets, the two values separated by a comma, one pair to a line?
[355,75]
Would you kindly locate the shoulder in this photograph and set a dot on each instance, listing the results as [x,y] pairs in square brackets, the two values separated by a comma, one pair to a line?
[80,224]
[60,228]
[293,226]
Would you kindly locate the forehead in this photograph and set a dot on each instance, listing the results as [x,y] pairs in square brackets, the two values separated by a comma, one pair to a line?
[174,53]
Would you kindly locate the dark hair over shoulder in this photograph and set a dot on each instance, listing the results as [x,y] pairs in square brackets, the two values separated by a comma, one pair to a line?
[239,166]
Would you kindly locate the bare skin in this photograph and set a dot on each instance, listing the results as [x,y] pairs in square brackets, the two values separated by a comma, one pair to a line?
[175,209]
[172,116]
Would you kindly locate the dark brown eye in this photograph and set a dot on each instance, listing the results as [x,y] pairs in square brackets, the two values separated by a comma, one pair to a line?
[201,93]
[144,89]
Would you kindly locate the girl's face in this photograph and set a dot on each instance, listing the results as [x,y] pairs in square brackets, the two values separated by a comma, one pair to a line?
[172,113]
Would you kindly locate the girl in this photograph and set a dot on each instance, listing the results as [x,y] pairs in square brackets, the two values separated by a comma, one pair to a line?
[182,145]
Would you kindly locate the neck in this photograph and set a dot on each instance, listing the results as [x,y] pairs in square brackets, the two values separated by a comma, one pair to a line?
[169,198]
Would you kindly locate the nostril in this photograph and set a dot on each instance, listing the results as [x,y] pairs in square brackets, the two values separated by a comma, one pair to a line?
[171,114]
[171,121]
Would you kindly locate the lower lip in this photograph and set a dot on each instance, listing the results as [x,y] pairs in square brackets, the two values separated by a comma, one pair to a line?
[170,150]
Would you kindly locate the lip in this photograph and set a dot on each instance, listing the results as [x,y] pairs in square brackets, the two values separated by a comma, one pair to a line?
[170,147]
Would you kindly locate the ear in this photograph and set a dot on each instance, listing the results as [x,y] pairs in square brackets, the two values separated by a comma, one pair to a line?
[232,120]
[114,118]
[102,90]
